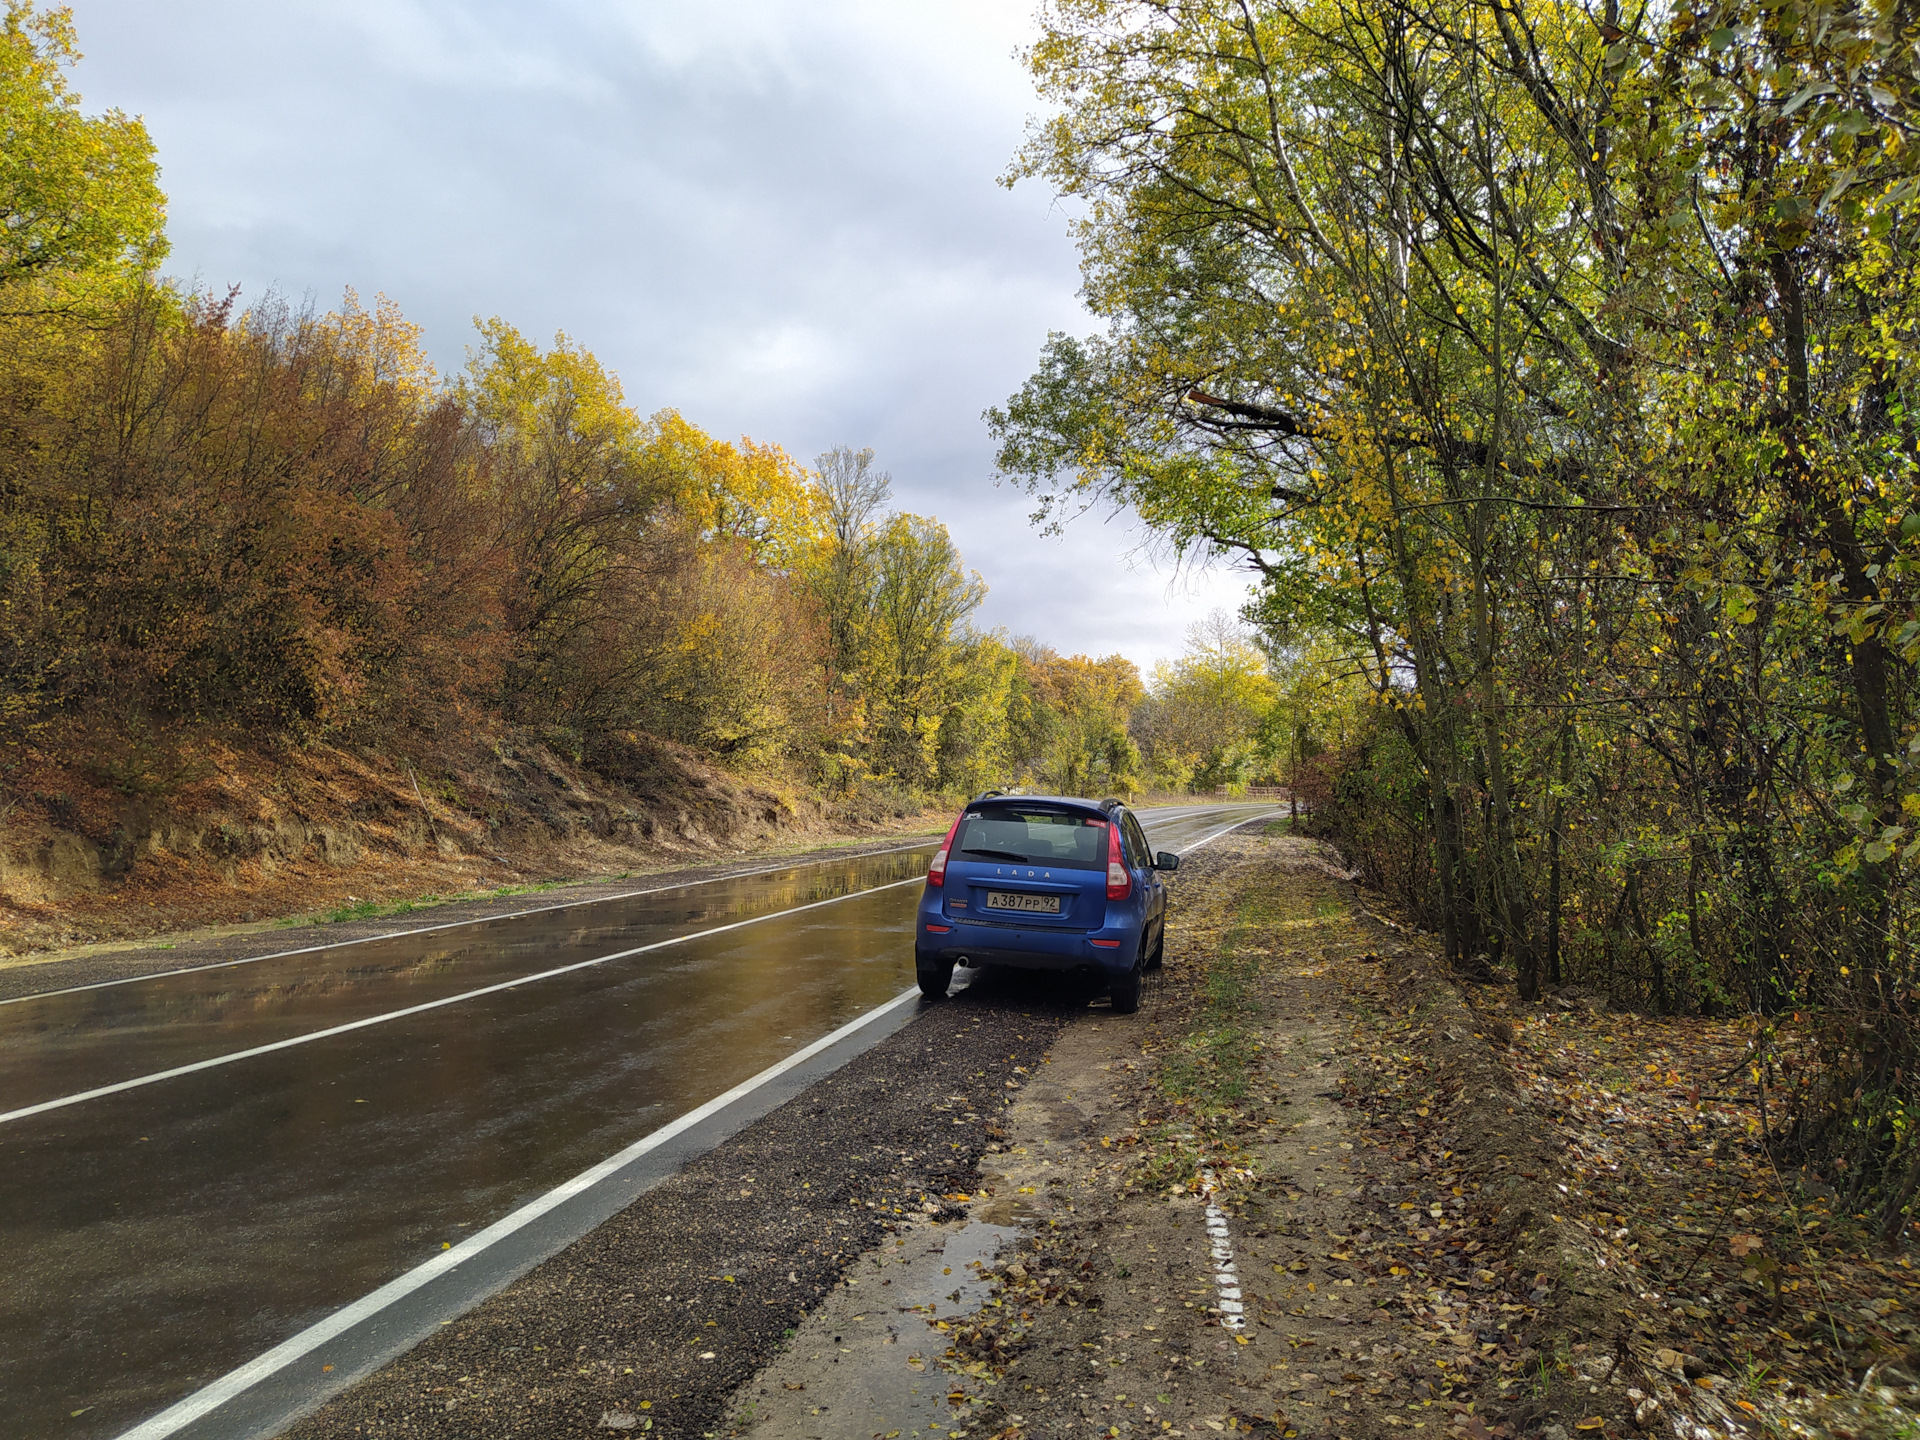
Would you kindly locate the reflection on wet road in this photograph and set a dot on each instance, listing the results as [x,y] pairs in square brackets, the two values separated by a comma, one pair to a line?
[156,1236]
[78,1041]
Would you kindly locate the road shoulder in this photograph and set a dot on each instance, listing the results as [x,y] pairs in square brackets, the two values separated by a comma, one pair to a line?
[654,1320]
[1277,1201]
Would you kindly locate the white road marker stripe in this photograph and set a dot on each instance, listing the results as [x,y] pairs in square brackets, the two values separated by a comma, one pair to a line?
[235,1382]
[1161,814]
[452,925]
[157,1076]
[1226,1283]
[42,1107]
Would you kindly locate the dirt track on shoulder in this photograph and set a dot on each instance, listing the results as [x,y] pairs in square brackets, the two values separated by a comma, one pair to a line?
[1292,1197]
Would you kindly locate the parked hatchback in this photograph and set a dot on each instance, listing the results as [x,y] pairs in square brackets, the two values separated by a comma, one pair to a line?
[1043,882]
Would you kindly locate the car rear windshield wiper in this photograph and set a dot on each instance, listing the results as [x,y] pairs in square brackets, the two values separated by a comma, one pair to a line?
[996,854]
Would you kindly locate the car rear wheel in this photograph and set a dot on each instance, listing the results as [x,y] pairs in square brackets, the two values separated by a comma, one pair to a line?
[1125,990]
[934,979]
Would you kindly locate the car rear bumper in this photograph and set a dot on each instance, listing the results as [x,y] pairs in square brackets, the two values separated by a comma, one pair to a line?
[1026,949]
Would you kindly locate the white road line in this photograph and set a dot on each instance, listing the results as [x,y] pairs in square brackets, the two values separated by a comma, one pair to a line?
[455,924]
[1215,835]
[157,1076]
[235,1382]
[1163,814]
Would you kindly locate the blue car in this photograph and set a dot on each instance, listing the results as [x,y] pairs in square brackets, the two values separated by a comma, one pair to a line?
[1041,882]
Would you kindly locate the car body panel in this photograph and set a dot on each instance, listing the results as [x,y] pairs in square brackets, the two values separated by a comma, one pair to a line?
[957,923]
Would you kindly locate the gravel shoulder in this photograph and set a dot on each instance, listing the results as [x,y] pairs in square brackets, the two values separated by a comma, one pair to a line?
[651,1323]
[1294,1196]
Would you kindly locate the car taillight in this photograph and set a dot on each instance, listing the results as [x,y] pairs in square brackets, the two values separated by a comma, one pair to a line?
[1119,882]
[937,871]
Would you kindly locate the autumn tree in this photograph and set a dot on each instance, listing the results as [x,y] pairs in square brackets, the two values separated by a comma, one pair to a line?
[209,520]
[1554,359]
[1209,705]
[921,598]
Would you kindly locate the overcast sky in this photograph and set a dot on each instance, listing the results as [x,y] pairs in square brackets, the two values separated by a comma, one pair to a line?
[781,219]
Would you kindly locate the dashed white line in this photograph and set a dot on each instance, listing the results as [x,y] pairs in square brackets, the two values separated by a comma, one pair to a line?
[235,1382]
[1226,1281]
[451,925]
[237,1055]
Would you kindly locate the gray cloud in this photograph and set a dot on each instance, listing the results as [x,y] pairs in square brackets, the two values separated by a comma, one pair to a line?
[782,220]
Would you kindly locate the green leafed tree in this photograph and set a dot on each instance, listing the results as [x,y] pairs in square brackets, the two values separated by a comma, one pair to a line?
[1558,358]
[1208,707]
[81,210]
[922,596]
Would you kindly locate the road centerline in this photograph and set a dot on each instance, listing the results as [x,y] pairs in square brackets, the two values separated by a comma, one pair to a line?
[453,925]
[236,1382]
[235,1056]
[250,1052]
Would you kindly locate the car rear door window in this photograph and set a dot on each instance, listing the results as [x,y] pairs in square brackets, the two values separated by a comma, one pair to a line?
[1056,838]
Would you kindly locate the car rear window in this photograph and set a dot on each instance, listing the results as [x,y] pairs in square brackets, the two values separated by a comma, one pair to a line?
[1035,837]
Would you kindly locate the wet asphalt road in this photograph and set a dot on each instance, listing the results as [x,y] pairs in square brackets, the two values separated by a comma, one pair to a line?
[671,1305]
[389,1098]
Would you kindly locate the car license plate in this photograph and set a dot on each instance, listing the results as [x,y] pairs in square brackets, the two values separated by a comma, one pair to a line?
[1038,904]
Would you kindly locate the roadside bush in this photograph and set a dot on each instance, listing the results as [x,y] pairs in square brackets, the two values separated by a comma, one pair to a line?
[212,515]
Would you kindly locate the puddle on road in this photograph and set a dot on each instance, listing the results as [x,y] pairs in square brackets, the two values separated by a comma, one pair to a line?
[868,1361]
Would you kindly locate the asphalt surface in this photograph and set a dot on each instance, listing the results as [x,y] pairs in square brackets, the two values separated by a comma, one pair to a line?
[204,1163]
[664,1311]
[228,944]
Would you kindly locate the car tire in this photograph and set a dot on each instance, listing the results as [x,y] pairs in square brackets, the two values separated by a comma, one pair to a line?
[1125,990]
[934,979]
[1157,956]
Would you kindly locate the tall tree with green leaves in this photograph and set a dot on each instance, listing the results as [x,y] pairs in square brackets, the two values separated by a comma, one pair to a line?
[1557,357]
[81,211]
[922,596]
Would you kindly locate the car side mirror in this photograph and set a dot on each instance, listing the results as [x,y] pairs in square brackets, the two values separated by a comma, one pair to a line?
[1166,860]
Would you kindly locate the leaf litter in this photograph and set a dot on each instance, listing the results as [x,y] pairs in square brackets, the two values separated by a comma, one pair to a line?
[1456,1213]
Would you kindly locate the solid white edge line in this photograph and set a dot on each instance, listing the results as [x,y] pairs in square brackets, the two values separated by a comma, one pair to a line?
[235,1382]
[1204,840]
[287,1044]
[452,924]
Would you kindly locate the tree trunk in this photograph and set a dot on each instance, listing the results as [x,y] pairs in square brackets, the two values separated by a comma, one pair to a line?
[1553,864]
